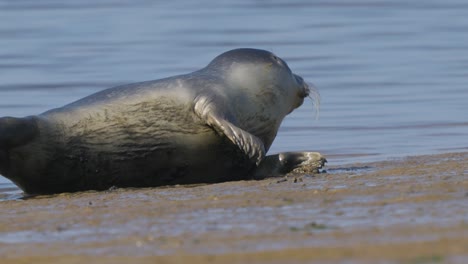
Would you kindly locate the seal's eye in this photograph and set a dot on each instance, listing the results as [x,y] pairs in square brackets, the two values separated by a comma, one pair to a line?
[277,60]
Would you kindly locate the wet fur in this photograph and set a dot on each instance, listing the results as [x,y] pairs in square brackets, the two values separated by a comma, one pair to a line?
[148,134]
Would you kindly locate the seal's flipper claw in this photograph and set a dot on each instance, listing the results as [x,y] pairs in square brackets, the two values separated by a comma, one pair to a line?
[303,162]
[208,108]
[287,162]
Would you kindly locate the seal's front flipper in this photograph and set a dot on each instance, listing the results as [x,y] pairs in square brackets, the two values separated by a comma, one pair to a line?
[210,110]
[17,131]
[286,162]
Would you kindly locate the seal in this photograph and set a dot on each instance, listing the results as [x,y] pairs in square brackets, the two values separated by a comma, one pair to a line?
[211,125]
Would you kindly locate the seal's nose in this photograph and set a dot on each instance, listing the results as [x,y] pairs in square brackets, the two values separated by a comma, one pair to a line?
[305,87]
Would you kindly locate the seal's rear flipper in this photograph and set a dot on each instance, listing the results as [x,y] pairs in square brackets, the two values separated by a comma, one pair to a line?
[15,132]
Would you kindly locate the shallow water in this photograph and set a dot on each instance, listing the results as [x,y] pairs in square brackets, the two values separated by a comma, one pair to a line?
[392,74]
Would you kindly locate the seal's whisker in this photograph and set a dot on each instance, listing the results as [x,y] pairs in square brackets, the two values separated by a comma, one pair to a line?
[314,95]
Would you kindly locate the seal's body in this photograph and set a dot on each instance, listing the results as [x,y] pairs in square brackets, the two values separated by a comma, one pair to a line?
[212,125]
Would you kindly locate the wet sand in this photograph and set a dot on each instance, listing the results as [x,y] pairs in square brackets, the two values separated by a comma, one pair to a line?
[412,210]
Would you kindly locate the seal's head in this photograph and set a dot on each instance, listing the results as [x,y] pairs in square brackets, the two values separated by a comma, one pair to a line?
[263,74]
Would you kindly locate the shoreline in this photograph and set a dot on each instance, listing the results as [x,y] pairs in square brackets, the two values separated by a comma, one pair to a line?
[404,210]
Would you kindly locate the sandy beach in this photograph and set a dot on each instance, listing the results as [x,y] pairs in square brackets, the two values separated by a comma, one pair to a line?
[411,210]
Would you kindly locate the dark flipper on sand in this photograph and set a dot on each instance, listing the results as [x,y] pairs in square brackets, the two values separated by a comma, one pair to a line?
[286,162]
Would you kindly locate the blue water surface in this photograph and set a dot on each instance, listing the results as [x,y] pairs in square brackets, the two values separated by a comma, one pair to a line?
[393,75]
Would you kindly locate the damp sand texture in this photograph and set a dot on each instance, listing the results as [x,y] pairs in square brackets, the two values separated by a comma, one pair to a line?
[412,210]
